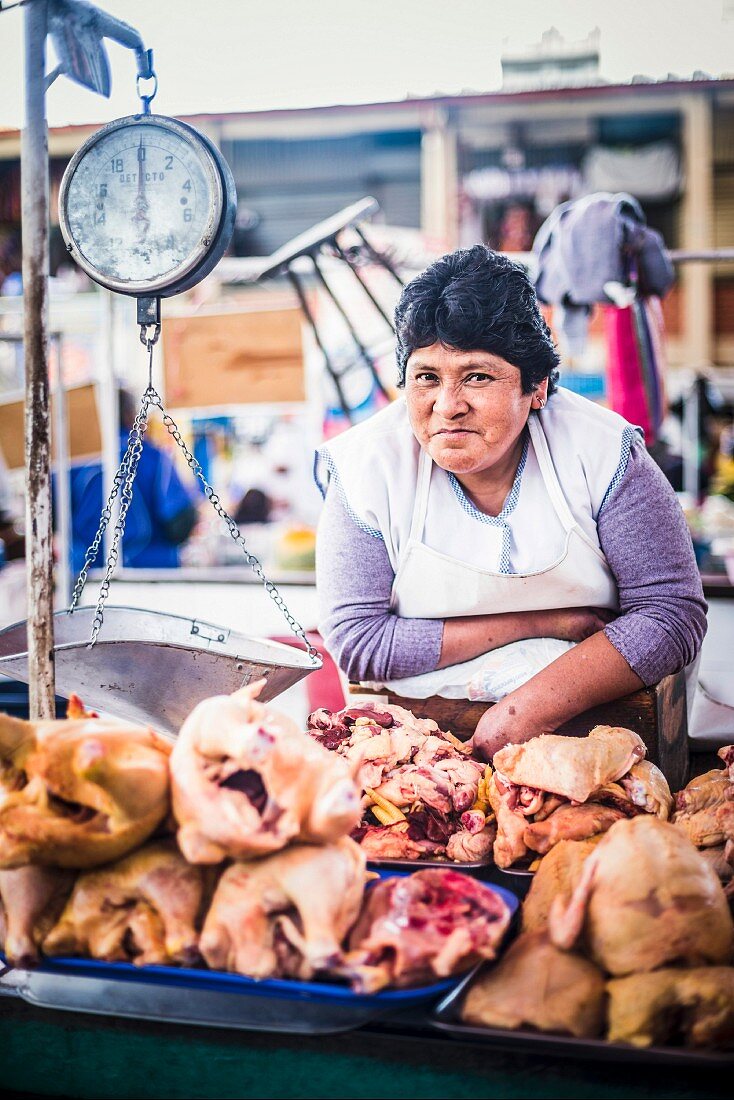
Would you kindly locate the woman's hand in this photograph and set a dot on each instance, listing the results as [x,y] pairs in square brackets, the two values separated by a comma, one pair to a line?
[574,624]
[506,723]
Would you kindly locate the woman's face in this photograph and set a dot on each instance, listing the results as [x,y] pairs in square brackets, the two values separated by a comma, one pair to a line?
[466,408]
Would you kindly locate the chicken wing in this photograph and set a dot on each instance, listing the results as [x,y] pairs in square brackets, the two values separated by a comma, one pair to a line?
[246,781]
[558,875]
[143,909]
[79,792]
[536,985]
[285,915]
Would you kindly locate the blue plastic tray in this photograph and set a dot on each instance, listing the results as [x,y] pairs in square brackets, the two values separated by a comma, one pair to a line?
[214,997]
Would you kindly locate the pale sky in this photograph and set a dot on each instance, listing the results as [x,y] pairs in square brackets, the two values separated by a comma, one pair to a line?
[237,55]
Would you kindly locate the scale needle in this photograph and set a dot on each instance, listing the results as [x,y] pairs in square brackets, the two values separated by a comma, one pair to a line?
[142,206]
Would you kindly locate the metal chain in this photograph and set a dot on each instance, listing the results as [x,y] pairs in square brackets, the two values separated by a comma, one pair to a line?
[234,531]
[123,484]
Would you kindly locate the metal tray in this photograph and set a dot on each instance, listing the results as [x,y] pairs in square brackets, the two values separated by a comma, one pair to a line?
[212,997]
[446,1018]
[152,667]
[208,998]
[419,864]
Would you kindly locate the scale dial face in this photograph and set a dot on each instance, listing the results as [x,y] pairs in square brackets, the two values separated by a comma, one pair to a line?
[140,204]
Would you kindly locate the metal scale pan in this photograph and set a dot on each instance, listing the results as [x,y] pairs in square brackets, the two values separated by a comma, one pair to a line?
[152,667]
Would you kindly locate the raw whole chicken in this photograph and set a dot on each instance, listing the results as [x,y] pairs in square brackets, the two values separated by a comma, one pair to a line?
[288,914]
[78,792]
[246,781]
[428,925]
[143,909]
[645,898]
[536,985]
[419,783]
[31,899]
[696,1006]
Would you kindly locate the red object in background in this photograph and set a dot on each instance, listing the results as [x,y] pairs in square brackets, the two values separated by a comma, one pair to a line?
[323,687]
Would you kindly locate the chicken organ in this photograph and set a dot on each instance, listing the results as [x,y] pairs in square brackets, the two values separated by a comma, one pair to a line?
[431,924]
[695,1006]
[246,781]
[418,768]
[645,898]
[285,915]
[143,909]
[558,875]
[78,792]
[537,985]
[31,899]
[574,767]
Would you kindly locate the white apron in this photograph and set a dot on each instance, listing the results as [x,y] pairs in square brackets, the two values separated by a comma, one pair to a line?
[431,585]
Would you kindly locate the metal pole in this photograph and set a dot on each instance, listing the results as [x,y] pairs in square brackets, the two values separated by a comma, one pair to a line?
[63,479]
[34,184]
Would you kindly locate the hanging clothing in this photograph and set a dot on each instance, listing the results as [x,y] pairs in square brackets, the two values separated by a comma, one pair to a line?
[634,336]
[599,239]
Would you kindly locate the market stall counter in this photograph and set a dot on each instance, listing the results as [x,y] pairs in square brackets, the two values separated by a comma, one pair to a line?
[51,1053]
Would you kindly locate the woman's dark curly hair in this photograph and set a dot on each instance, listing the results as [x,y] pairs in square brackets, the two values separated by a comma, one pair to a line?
[477,299]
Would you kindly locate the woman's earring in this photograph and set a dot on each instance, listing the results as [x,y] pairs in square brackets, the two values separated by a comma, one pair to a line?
[541,403]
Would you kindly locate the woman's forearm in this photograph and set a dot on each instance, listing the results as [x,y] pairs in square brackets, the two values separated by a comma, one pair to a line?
[590,674]
[464,638]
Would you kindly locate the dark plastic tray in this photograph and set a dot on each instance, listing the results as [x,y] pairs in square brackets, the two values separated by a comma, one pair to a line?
[446,1018]
[213,997]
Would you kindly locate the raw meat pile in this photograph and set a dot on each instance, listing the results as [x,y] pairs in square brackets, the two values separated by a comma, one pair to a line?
[166,845]
[557,788]
[423,796]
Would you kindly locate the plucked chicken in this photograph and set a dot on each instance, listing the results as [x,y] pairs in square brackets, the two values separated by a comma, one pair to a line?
[31,899]
[288,914]
[695,1007]
[246,781]
[555,788]
[422,794]
[428,925]
[645,898]
[143,909]
[78,792]
[537,985]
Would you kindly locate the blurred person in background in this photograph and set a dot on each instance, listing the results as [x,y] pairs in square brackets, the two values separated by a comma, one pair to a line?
[162,513]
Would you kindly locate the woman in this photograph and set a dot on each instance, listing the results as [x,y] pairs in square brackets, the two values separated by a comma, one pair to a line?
[489,507]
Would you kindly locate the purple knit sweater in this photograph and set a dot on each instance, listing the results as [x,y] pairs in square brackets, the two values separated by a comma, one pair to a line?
[642,532]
